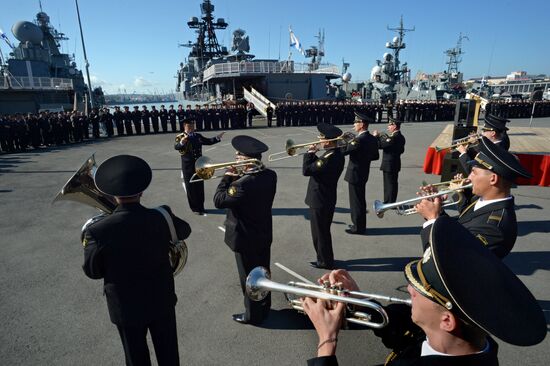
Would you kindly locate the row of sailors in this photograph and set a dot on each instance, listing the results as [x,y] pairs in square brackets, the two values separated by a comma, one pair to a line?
[519,108]
[338,113]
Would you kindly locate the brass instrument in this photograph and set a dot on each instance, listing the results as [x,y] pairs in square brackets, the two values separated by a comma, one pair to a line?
[291,148]
[81,188]
[178,139]
[407,207]
[205,169]
[468,140]
[259,284]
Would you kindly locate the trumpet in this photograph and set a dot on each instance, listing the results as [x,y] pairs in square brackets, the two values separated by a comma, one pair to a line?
[291,148]
[404,207]
[205,169]
[468,140]
[259,284]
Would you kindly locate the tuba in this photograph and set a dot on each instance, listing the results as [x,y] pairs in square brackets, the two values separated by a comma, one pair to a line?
[81,188]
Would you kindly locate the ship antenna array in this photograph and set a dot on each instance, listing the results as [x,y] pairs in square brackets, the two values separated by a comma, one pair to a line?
[398,46]
[455,54]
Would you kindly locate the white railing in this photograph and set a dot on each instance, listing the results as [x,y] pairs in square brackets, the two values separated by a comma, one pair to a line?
[35,83]
[265,67]
[259,104]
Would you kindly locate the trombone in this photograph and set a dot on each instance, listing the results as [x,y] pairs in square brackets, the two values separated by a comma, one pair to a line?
[205,169]
[291,148]
[259,284]
[404,207]
[468,140]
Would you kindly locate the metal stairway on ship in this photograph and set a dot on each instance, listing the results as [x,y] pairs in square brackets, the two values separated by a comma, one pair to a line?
[259,101]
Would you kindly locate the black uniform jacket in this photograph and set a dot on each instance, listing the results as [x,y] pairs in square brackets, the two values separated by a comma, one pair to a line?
[405,339]
[129,250]
[191,148]
[361,150]
[392,146]
[495,225]
[248,199]
[323,173]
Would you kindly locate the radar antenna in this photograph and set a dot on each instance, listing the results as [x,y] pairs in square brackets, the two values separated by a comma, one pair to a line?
[454,55]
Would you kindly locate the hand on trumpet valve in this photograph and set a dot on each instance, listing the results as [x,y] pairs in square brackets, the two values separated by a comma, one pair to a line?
[327,320]
[430,208]
[340,278]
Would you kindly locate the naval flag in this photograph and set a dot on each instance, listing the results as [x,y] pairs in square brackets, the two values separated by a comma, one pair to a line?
[5,38]
[294,42]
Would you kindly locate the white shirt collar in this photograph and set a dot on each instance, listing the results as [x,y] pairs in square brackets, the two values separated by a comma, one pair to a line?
[481,202]
[427,350]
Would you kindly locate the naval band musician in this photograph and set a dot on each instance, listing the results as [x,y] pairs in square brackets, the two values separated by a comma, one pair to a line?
[323,172]
[461,296]
[392,144]
[129,250]
[361,151]
[248,198]
[489,214]
[495,130]
[189,144]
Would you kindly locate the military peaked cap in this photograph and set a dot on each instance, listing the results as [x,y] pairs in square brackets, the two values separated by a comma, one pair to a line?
[123,176]
[328,131]
[462,275]
[499,161]
[249,146]
[362,117]
[495,123]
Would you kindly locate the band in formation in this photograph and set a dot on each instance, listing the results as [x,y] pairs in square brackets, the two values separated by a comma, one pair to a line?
[460,290]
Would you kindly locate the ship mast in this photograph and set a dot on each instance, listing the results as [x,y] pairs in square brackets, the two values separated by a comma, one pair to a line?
[206,45]
[86,63]
[454,55]
[397,45]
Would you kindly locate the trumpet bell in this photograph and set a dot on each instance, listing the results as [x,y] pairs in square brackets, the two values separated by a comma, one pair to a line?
[254,290]
[203,168]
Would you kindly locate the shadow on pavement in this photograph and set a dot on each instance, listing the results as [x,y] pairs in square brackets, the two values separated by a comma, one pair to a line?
[391,264]
[528,227]
[527,263]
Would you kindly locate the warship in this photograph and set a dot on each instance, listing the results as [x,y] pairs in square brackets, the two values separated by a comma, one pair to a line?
[211,72]
[36,75]
[390,79]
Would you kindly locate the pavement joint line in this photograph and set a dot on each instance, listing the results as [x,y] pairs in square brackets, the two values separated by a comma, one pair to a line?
[308,131]
[210,149]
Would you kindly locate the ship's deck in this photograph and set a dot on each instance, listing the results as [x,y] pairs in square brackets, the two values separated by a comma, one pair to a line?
[51,314]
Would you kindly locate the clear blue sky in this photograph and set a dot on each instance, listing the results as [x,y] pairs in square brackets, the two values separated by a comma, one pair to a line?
[133,44]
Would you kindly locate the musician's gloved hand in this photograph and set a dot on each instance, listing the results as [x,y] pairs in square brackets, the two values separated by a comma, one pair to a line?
[327,319]
[462,149]
[429,209]
[375,133]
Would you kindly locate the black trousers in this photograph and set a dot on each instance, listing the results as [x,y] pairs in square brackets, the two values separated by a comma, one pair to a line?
[165,341]
[255,311]
[195,191]
[390,186]
[320,220]
[358,205]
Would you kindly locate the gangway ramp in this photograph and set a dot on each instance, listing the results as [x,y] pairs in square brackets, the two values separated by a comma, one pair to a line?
[259,101]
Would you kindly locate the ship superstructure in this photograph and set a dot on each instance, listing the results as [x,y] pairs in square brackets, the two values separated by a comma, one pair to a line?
[37,75]
[212,73]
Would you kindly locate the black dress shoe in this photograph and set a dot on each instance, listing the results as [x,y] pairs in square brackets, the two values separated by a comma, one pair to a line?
[240,318]
[320,265]
[355,232]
